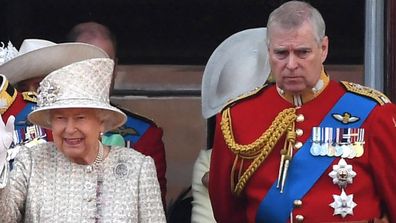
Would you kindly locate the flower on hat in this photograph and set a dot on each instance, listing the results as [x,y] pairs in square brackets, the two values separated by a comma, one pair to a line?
[47,93]
[7,53]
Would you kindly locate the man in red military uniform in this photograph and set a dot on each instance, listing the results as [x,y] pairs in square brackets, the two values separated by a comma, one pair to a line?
[305,148]
[14,103]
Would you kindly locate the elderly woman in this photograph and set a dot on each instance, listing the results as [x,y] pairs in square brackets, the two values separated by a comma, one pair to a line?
[76,178]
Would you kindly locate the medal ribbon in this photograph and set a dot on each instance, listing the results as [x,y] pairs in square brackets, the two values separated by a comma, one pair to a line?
[305,169]
[23,130]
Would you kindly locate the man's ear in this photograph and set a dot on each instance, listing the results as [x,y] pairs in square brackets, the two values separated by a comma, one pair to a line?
[325,47]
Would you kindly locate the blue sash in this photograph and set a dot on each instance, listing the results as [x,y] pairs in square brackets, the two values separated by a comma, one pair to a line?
[138,125]
[133,129]
[21,117]
[305,169]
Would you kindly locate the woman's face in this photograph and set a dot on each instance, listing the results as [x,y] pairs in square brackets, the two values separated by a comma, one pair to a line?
[76,133]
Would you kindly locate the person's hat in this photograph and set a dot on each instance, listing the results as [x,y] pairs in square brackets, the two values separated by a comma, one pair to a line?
[37,57]
[237,66]
[83,84]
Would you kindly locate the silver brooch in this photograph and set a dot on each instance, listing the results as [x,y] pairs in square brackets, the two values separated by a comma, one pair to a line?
[342,174]
[121,170]
[47,94]
[343,204]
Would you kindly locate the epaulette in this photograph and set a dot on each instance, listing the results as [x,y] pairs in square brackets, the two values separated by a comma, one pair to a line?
[29,96]
[246,95]
[366,91]
[7,94]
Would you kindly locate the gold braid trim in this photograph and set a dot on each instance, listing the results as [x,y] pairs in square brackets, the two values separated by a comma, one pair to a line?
[366,91]
[259,149]
[29,96]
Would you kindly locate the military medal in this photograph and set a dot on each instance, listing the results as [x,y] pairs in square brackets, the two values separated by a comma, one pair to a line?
[352,153]
[343,204]
[358,145]
[331,150]
[338,152]
[346,150]
[28,136]
[316,137]
[342,174]
[338,149]
[338,142]
[327,140]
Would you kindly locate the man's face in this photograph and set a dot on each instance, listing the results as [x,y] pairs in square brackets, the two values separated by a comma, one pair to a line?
[296,58]
[104,44]
[29,85]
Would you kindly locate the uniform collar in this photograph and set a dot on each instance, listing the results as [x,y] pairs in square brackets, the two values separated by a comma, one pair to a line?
[308,94]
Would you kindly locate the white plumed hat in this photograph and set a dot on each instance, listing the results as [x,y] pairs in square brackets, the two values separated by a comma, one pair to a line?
[237,66]
[38,57]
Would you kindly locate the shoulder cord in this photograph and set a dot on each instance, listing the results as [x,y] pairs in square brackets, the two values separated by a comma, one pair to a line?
[259,149]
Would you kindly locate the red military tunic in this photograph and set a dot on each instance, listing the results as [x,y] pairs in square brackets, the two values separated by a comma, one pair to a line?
[373,188]
[18,105]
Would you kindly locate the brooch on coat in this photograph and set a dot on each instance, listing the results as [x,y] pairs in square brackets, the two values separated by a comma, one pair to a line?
[121,170]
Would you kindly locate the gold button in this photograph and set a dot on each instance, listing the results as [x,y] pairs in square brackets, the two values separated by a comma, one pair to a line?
[299,218]
[297,203]
[298,145]
[300,118]
[299,132]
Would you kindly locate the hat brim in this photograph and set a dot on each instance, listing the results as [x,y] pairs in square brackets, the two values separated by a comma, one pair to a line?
[237,66]
[112,116]
[43,61]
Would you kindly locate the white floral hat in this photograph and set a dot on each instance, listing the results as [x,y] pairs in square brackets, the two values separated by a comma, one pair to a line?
[237,66]
[83,84]
[38,57]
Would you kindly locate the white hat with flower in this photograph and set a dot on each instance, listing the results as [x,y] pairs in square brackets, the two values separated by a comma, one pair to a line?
[83,84]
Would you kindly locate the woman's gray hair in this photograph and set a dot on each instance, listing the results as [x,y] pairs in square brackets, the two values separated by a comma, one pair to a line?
[103,115]
[293,14]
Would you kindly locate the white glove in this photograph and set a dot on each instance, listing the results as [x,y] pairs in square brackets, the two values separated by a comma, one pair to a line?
[6,132]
